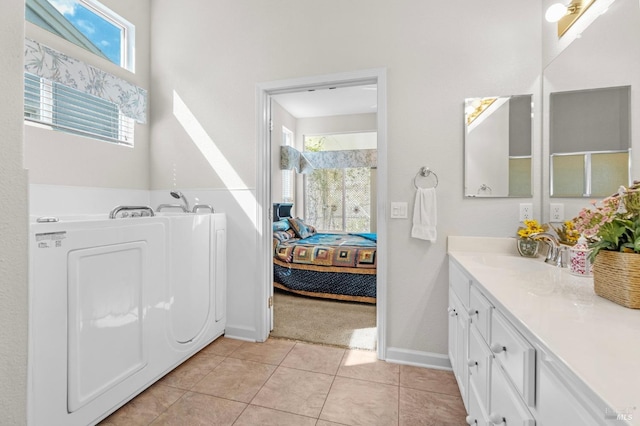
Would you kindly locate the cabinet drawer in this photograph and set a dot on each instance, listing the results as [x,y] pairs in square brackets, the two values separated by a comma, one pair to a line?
[480,312]
[479,366]
[506,406]
[477,415]
[460,284]
[516,356]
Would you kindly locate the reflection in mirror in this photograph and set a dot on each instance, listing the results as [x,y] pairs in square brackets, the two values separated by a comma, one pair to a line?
[497,159]
[88,24]
[589,141]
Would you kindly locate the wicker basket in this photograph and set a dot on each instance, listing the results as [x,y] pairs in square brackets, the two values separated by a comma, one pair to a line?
[616,276]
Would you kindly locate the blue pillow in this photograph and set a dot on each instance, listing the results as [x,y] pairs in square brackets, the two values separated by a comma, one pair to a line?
[281,225]
[302,229]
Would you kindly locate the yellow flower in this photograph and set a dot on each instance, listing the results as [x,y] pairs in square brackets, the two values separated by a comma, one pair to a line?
[531,226]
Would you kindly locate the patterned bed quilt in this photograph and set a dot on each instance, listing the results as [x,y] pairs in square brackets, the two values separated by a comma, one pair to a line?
[338,266]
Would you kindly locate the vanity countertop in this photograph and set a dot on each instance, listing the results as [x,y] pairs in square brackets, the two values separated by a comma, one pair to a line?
[597,339]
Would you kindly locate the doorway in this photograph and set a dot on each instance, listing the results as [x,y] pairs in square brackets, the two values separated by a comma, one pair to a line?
[265,93]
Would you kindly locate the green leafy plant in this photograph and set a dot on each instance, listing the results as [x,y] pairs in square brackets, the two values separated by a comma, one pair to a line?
[613,223]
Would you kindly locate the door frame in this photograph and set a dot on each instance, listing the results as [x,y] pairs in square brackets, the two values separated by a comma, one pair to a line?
[264,260]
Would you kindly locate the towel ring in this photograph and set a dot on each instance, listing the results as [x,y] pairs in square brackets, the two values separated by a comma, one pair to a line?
[424,172]
[484,188]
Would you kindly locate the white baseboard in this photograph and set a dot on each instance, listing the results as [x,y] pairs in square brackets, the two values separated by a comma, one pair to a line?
[241,333]
[418,358]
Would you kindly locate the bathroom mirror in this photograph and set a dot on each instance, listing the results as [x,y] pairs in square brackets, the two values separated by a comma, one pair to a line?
[589,89]
[497,146]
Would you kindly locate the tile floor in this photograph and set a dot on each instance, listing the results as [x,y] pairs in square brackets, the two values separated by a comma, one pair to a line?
[281,382]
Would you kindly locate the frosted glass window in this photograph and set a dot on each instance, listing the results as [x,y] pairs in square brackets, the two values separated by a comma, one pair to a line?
[590,174]
[608,172]
[520,177]
[568,175]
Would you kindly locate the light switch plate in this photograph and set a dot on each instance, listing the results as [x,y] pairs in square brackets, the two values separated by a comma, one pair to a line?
[398,210]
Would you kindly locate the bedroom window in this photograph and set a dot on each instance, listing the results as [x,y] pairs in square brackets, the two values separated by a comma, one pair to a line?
[338,193]
[287,175]
[339,199]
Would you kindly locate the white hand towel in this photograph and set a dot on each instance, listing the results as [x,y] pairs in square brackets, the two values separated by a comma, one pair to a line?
[424,215]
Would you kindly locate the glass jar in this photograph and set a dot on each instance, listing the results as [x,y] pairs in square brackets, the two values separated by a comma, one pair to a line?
[527,247]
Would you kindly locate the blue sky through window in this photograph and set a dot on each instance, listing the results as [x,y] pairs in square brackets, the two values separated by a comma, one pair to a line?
[104,34]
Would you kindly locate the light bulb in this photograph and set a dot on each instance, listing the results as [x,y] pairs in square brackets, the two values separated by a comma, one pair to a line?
[555,12]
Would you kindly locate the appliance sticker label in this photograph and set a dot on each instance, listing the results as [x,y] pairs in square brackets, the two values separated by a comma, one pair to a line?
[50,239]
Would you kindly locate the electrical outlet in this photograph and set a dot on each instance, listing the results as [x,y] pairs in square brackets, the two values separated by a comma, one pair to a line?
[557,212]
[526,211]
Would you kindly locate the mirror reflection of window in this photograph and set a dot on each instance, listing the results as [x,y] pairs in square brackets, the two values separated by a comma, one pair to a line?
[498,135]
[589,141]
[567,175]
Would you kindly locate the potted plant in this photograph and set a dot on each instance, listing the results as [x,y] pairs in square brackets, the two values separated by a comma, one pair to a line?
[527,246]
[612,229]
[567,233]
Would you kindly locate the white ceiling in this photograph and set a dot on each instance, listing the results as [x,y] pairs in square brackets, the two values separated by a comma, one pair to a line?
[331,101]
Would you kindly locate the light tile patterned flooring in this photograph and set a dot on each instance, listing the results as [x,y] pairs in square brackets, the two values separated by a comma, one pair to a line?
[280,382]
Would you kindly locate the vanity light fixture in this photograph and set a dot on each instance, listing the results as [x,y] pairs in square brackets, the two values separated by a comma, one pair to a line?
[566,16]
[476,107]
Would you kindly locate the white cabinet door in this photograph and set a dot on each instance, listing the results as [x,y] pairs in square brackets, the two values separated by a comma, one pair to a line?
[506,406]
[458,343]
[555,402]
[477,416]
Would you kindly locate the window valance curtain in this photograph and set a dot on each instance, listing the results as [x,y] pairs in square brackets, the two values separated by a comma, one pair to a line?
[306,162]
[343,159]
[292,159]
[59,67]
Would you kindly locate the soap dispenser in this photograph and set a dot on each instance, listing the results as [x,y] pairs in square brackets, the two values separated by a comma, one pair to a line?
[579,263]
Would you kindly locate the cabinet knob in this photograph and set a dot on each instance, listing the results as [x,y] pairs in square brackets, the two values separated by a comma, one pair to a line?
[496,348]
[496,419]
[471,420]
[472,312]
[472,363]
[452,312]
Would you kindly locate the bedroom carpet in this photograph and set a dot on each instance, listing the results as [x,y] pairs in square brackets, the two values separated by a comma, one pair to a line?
[329,322]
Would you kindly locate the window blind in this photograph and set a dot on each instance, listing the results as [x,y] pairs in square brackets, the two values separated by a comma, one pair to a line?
[73,111]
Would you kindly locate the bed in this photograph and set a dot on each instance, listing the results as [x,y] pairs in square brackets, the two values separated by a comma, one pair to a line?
[333,266]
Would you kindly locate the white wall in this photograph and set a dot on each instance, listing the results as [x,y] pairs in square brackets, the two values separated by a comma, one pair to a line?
[334,124]
[14,317]
[436,55]
[56,158]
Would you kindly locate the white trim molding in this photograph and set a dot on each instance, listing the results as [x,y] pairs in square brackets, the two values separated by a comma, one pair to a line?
[418,358]
[264,91]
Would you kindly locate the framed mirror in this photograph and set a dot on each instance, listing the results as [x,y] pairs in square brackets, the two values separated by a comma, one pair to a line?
[497,146]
